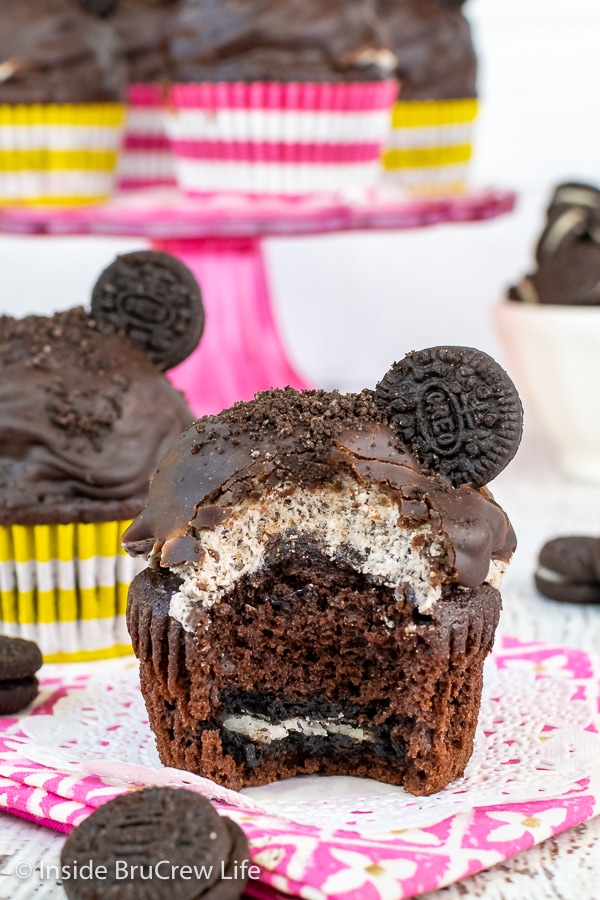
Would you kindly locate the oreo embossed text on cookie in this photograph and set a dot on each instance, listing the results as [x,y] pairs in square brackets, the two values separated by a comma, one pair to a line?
[155,300]
[153,844]
[456,409]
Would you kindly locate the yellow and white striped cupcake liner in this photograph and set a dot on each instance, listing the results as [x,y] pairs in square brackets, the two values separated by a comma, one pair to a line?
[59,154]
[431,144]
[65,587]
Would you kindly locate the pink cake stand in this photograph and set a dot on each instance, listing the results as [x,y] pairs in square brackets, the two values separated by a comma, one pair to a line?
[220,238]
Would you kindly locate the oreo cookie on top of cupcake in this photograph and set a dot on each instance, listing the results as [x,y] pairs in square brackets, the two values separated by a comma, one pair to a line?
[85,414]
[323,581]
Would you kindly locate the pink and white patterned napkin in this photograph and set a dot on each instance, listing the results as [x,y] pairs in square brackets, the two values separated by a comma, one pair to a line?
[70,753]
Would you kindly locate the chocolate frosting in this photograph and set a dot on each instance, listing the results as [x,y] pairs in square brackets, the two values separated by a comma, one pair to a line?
[142,28]
[280,40]
[284,436]
[432,42]
[51,51]
[84,419]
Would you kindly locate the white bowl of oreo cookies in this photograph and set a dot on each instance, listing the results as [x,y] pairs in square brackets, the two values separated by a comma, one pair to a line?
[553,354]
[550,330]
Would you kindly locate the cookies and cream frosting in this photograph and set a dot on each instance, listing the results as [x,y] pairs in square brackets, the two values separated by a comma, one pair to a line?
[243,486]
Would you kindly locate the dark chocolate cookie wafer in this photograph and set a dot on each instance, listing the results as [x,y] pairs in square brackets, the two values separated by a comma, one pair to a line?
[562,232]
[174,834]
[456,409]
[98,7]
[573,215]
[16,695]
[19,660]
[155,300]
[568,569]
[570,278]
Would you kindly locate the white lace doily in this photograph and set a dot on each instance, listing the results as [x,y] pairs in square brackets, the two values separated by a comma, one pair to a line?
[531,744]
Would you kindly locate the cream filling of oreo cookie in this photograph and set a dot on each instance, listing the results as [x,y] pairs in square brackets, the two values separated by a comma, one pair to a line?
[347,520]
[257,728]
[551,575]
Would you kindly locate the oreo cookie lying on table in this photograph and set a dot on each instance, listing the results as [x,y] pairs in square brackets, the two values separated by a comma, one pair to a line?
[569,569]
[157,843]
[19,661]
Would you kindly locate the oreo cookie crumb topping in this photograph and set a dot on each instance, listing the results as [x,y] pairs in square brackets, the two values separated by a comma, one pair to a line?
[153,299]
[298,427]
[36,343]
[144,829]
[316,417]
[456,409]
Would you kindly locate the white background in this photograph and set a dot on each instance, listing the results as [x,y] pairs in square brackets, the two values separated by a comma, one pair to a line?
[350,304]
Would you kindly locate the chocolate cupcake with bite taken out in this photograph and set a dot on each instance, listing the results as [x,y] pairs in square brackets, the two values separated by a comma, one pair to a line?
[323,581]
[85,414]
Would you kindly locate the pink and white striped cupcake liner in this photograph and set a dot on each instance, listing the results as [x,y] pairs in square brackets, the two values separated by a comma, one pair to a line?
[281,138]
[146,157]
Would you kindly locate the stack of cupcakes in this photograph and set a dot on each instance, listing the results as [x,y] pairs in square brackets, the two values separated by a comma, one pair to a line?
[61,110]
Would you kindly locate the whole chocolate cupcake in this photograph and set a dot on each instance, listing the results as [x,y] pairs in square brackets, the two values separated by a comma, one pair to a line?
[432,123]
[61,110]
[286,96]
[323,583]
[85,415]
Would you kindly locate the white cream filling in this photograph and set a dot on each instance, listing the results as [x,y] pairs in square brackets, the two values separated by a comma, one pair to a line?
[348,517]
[551,575]
[264,731]
[364,520]
[496,572]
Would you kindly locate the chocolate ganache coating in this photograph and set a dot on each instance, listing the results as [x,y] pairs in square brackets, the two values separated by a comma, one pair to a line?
[302,438]
[142,28]
[84,419]
[434,48]
[52,51]
[279,40]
